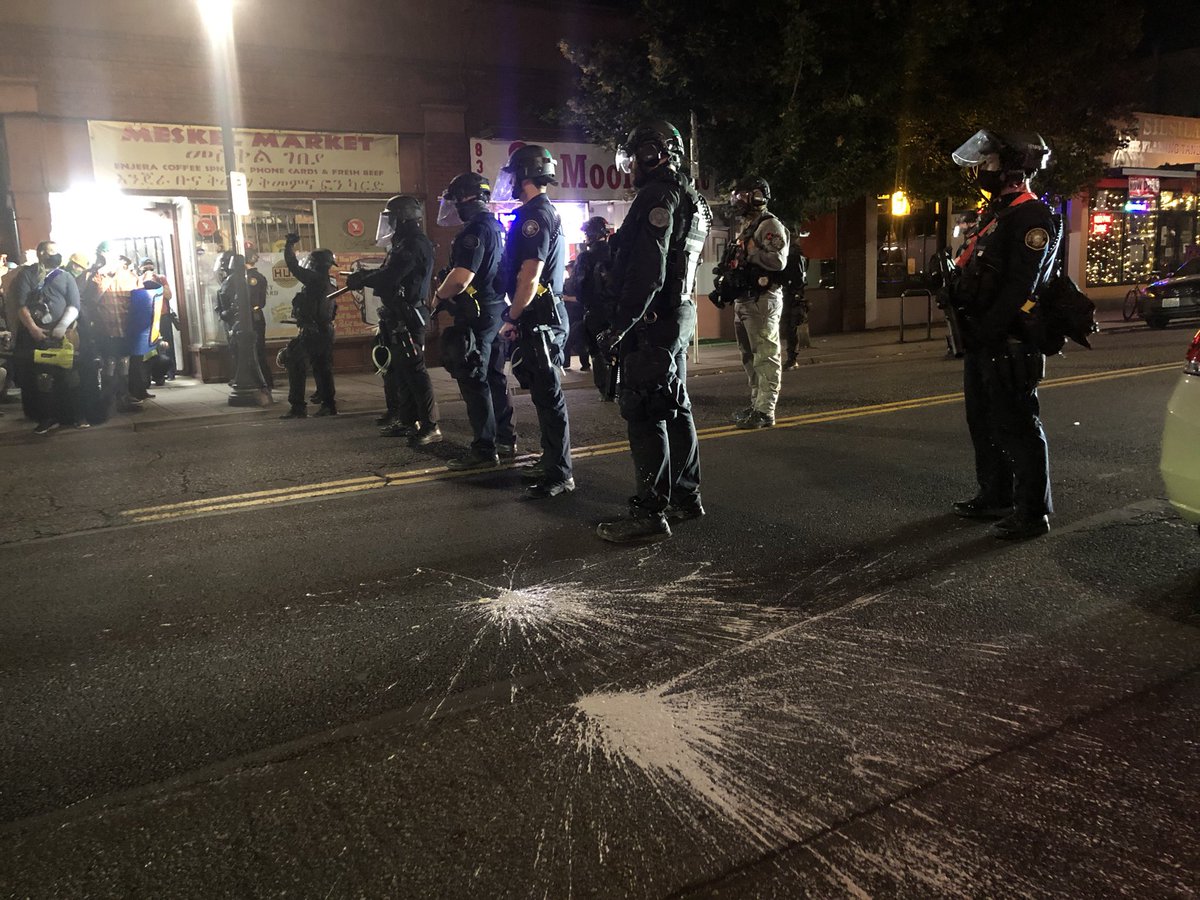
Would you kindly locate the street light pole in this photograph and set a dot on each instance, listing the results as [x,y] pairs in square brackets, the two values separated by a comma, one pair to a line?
[248,386]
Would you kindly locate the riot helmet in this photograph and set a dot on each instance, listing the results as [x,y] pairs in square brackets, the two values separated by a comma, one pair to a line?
[530,162]
[595,229]
[650,145]
[223,265]
[321,260]
[750,194]
[994,160]
[401,208]
[464,198]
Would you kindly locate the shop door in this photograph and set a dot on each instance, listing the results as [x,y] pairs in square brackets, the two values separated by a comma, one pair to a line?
[1176,230]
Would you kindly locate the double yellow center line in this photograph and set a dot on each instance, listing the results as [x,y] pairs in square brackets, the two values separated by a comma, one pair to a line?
[276,496]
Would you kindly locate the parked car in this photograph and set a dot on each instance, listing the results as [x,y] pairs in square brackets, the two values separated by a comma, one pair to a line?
[1175,297]
[1181,440]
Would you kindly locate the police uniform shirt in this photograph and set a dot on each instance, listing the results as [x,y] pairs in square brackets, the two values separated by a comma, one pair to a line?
[656,221]
[477,248]
[585,283]
[258,288]
[406,272]
[1001,273]
[535,233]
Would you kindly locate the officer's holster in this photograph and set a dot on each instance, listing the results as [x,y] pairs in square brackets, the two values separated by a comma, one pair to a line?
[1019,367]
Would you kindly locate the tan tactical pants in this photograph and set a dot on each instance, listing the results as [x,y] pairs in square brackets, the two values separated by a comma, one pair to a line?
[756,324]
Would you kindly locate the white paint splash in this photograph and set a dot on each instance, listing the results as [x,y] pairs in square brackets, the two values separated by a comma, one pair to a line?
[688,745]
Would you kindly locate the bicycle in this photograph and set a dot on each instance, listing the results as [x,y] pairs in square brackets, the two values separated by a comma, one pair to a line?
[1132,308]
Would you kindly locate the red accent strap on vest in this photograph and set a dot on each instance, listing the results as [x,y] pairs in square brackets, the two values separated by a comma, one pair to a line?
[969,247]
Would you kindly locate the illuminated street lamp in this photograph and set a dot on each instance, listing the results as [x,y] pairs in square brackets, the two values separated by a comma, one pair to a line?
[248,387]
[900,204]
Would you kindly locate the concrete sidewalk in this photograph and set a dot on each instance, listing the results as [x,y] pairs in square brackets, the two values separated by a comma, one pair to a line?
[186,401]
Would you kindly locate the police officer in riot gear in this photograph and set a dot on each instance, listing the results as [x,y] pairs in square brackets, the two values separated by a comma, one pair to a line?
[535,256]
[995,278]
[592,266]
[402,283]
[473,290]
[761,251]
[256,283]
[657,250]
[313,311]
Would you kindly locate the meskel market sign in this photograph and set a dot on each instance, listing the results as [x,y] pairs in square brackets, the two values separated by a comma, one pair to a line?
[184,158]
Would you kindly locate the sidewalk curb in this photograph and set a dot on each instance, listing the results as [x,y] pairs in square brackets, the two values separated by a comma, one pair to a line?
[234,416]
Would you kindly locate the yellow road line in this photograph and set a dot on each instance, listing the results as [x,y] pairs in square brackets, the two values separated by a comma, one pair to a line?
[256,499]
[249,495]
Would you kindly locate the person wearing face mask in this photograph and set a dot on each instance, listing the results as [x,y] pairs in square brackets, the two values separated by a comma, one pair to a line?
[402,284]
[314,312]
[48,303]
[653,320]
[762,249]
[475,293]
[997,274]
[534,264]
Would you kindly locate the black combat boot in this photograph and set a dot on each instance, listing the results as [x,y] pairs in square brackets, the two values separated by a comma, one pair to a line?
[635,529]
[981,507]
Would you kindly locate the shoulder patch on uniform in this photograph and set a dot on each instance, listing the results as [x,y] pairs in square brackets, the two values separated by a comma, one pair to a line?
[1037,238]
[773,241]
[470,242]
[530,228]
[253,280]
[659,217]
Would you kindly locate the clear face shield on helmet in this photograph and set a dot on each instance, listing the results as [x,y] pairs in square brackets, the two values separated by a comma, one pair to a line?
[448,212]
[975,150]
[506,185]
[624,160]
[383,234]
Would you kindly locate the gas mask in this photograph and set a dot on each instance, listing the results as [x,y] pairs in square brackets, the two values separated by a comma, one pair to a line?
[50,260]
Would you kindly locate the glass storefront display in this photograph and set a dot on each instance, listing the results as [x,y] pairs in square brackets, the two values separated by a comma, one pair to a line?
[1133,239]
[907,245]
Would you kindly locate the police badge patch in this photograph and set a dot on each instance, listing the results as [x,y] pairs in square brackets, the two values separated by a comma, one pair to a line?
[659,217]
[530,228]
[1037,238]
[773,241]
[470,242]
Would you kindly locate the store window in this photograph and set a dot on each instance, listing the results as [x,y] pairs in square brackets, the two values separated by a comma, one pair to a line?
[1135,237]
[266,227]
[907,246]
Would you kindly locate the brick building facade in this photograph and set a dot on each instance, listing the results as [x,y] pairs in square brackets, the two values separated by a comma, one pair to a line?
[431,74]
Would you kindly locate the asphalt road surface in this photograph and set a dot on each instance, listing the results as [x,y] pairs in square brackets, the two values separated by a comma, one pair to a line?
[297,659]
